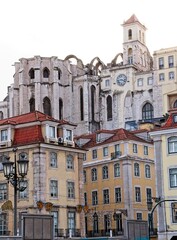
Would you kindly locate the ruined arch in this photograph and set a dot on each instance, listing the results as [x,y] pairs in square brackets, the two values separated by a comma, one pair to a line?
[79,61]
[116,58]
[96,65]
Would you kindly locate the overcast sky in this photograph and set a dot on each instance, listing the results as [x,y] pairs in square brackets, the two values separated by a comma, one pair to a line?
[85,28]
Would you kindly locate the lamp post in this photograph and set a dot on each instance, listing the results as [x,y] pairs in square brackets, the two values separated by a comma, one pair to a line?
[16,177]
[149,206]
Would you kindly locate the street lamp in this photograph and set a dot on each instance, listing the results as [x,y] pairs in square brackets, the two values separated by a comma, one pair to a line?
[16,177]
[150,205]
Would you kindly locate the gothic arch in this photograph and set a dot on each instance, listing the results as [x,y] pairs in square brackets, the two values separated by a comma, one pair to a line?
[147,111]
[93,99]
[96,65]
[46,72]
[60,108]
[81,103]
[47,106]
[79,61]
[115,60]
[32,104]
[109,107]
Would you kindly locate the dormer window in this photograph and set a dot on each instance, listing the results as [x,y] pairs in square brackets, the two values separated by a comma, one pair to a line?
[175,118]
[68,135]
[51,132]
[4,135]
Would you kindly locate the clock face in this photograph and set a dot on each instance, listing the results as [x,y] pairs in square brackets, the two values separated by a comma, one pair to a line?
[121,80]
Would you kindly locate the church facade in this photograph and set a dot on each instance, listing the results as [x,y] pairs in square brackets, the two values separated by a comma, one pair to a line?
[121,94]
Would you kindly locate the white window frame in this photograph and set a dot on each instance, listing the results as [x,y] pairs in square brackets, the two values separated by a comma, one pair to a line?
[4,135]
[53,188]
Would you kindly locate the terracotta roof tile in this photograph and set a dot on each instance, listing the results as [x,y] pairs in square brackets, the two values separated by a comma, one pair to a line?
[28,135]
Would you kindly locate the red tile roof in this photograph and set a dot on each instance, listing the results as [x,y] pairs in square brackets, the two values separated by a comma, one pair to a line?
[31,117]
[132,19]
[118,135]
[28,135]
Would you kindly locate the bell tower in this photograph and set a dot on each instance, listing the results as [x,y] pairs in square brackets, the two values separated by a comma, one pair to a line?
[135,51]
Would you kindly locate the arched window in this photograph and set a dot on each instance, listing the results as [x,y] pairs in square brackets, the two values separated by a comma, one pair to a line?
[31,73]
[1,115]
[147,111]
[94,174]
[46,73]
[60,109]
[105,172]
[147,171]
[32,104]
[172,144]
[47,106]
[59,74]
[129,34]
[109,108]
[93,92]
[136,170]
[175,104]
[81,105]
[117,170]
[70,162]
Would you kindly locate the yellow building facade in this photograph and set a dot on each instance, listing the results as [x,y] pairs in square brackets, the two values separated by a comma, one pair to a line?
[119,177]
[54,174]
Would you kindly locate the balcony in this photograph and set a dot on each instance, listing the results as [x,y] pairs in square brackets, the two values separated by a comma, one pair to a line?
[104,233]
[59,232]
[116,154]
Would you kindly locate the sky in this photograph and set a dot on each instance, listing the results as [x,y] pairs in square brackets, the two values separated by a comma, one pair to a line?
[84,28]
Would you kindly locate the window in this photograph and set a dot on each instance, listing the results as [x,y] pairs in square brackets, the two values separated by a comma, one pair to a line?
[147,111]
[94,153]
[24,194]
[1,115]
[93,97]
[81,105]
[117,148]
[117,170]
[140,82]
[137,194]
[109,108]
[145,150]
[3,224]
[172,145]
[94,174]
[105,151]
[71,190]
[139,216]
[170,61]
[51,132]
[129,34]
[161,63]
[106,196]
[84,176]
[161,77]
[31,73]
[32,104]
[59,74]
[107,83]
[135,149]
[55,220]
[173,177]
[68,135]
[60,109]
[150,81]
[71,221]
[105,172]
[136,170]
[148,195]
[85,198]
[54,188]
[174,212]
[70,162]
[171,75]
[4,135]
[53,159]
[45,73]
[3,192]
[117,194]
[94,198]
[47,106]
[147,171]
